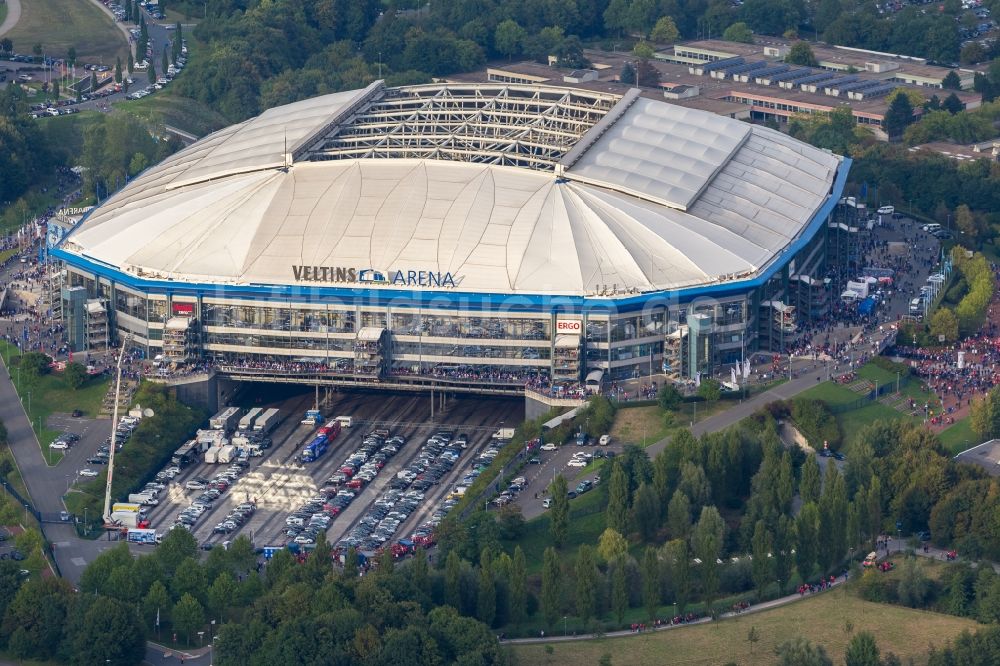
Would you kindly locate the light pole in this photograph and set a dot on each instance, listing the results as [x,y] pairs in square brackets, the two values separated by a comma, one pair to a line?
[200,635]
[565,630]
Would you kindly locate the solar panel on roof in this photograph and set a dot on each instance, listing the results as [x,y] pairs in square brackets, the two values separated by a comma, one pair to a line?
[880,91]
[793,75]
[768,71]
[839,81]
[746,67]
[815,78]
[725,63]
[861,85]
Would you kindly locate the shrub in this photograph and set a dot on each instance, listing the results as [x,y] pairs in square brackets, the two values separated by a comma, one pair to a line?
[814,420]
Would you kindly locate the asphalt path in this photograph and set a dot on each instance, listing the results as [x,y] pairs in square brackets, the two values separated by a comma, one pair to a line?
[13,16]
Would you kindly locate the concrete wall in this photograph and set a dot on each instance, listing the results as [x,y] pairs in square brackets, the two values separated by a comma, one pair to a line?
[213,392]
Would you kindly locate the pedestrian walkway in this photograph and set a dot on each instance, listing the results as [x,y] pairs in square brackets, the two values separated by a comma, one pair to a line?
[756,608]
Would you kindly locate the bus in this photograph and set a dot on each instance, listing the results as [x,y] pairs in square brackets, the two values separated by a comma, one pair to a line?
[318,446]
[185,455]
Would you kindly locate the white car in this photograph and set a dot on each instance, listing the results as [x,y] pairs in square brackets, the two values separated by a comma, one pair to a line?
[88,472]
[577,462]
[59,445]
[549,446]
[195,485]
[605,440]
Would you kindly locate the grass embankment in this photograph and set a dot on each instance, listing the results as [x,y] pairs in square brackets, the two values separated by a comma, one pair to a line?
[60,24]
[852,421]
[906,632]
[959,437]
[49,394]
[3,13]
[181,112]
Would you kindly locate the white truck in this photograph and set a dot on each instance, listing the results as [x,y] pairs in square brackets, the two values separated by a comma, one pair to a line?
[226,454]
[136,535]
[247,422]
[267,421]
[226,420]
[143,499]
[209,438]
[127,518]
[212,455]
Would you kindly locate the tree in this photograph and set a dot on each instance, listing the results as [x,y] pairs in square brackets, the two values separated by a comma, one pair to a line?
[619,590]
[738,32]
[800,652]
[833,511]
[643,50]
[678,561]
[156,605]
[650,581]
[586,583]
[707,539]
[130,64]
[665,31]
[221,595]
[944,323]
[807,540]
[188,615]
[75,375]
[518,587]
[419,571]
[551,586]
[486,600]
[118,70]
[801,53]
[508,38]
[35,364]
[952,104]
[611,545]
[110,633]
[559,513]
[151,73]
[809,484]
[55,89]
[617,511]
[6,45]
[951,81]
[679,516]
[913,587]
[862,651]
[753,637]
[453,581]
[898,115]
[710,389]
[164,62]
[71,55]
[627,75]
[646,512]
[762,564]
[669,397]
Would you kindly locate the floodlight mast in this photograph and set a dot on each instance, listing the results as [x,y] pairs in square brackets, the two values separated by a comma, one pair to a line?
[114,426]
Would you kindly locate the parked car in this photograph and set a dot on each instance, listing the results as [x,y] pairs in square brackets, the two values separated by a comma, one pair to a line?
[88,472]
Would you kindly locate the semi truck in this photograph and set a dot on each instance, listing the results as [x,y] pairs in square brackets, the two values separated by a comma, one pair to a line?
[185,455]
[267,421]
[137,535]
[226,454]
[247,422]
[226,420]
[212,455]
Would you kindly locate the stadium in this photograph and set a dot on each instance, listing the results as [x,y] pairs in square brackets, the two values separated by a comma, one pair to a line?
[482,237]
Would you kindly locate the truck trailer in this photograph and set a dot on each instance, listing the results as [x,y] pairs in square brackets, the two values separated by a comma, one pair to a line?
[226,420]
[212,455]
[226,454]
[143,499]
[247,422]
[129,519]
[266,422]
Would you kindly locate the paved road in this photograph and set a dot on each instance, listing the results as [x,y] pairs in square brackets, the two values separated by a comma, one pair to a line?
[13,16]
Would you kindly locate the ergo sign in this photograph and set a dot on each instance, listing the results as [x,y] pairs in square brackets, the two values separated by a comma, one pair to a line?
[569,326]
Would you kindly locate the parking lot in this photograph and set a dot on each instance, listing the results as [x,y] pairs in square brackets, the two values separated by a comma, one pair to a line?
[278,483]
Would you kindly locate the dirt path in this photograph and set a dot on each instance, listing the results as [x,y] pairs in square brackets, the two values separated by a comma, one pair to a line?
[13,16]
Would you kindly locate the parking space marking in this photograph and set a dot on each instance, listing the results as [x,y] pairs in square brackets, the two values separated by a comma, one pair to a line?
[78,561]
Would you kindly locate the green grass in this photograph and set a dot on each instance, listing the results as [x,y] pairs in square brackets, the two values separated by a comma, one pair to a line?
[180,112]
[7,254]
[831,393]
[853,421]
[60,24]
[875,374]
[14,478]
[906,632]
[49,394]
[586,518]
[959,437]
[3,13]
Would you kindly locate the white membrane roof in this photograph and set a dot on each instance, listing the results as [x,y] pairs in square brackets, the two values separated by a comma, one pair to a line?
[665,197]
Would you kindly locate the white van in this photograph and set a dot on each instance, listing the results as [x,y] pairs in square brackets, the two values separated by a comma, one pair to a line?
[931,228]
[916,306]
[344,421]
[886,210]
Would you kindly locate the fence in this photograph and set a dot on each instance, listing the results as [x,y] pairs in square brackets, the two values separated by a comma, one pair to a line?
[23,502]
[871,396]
